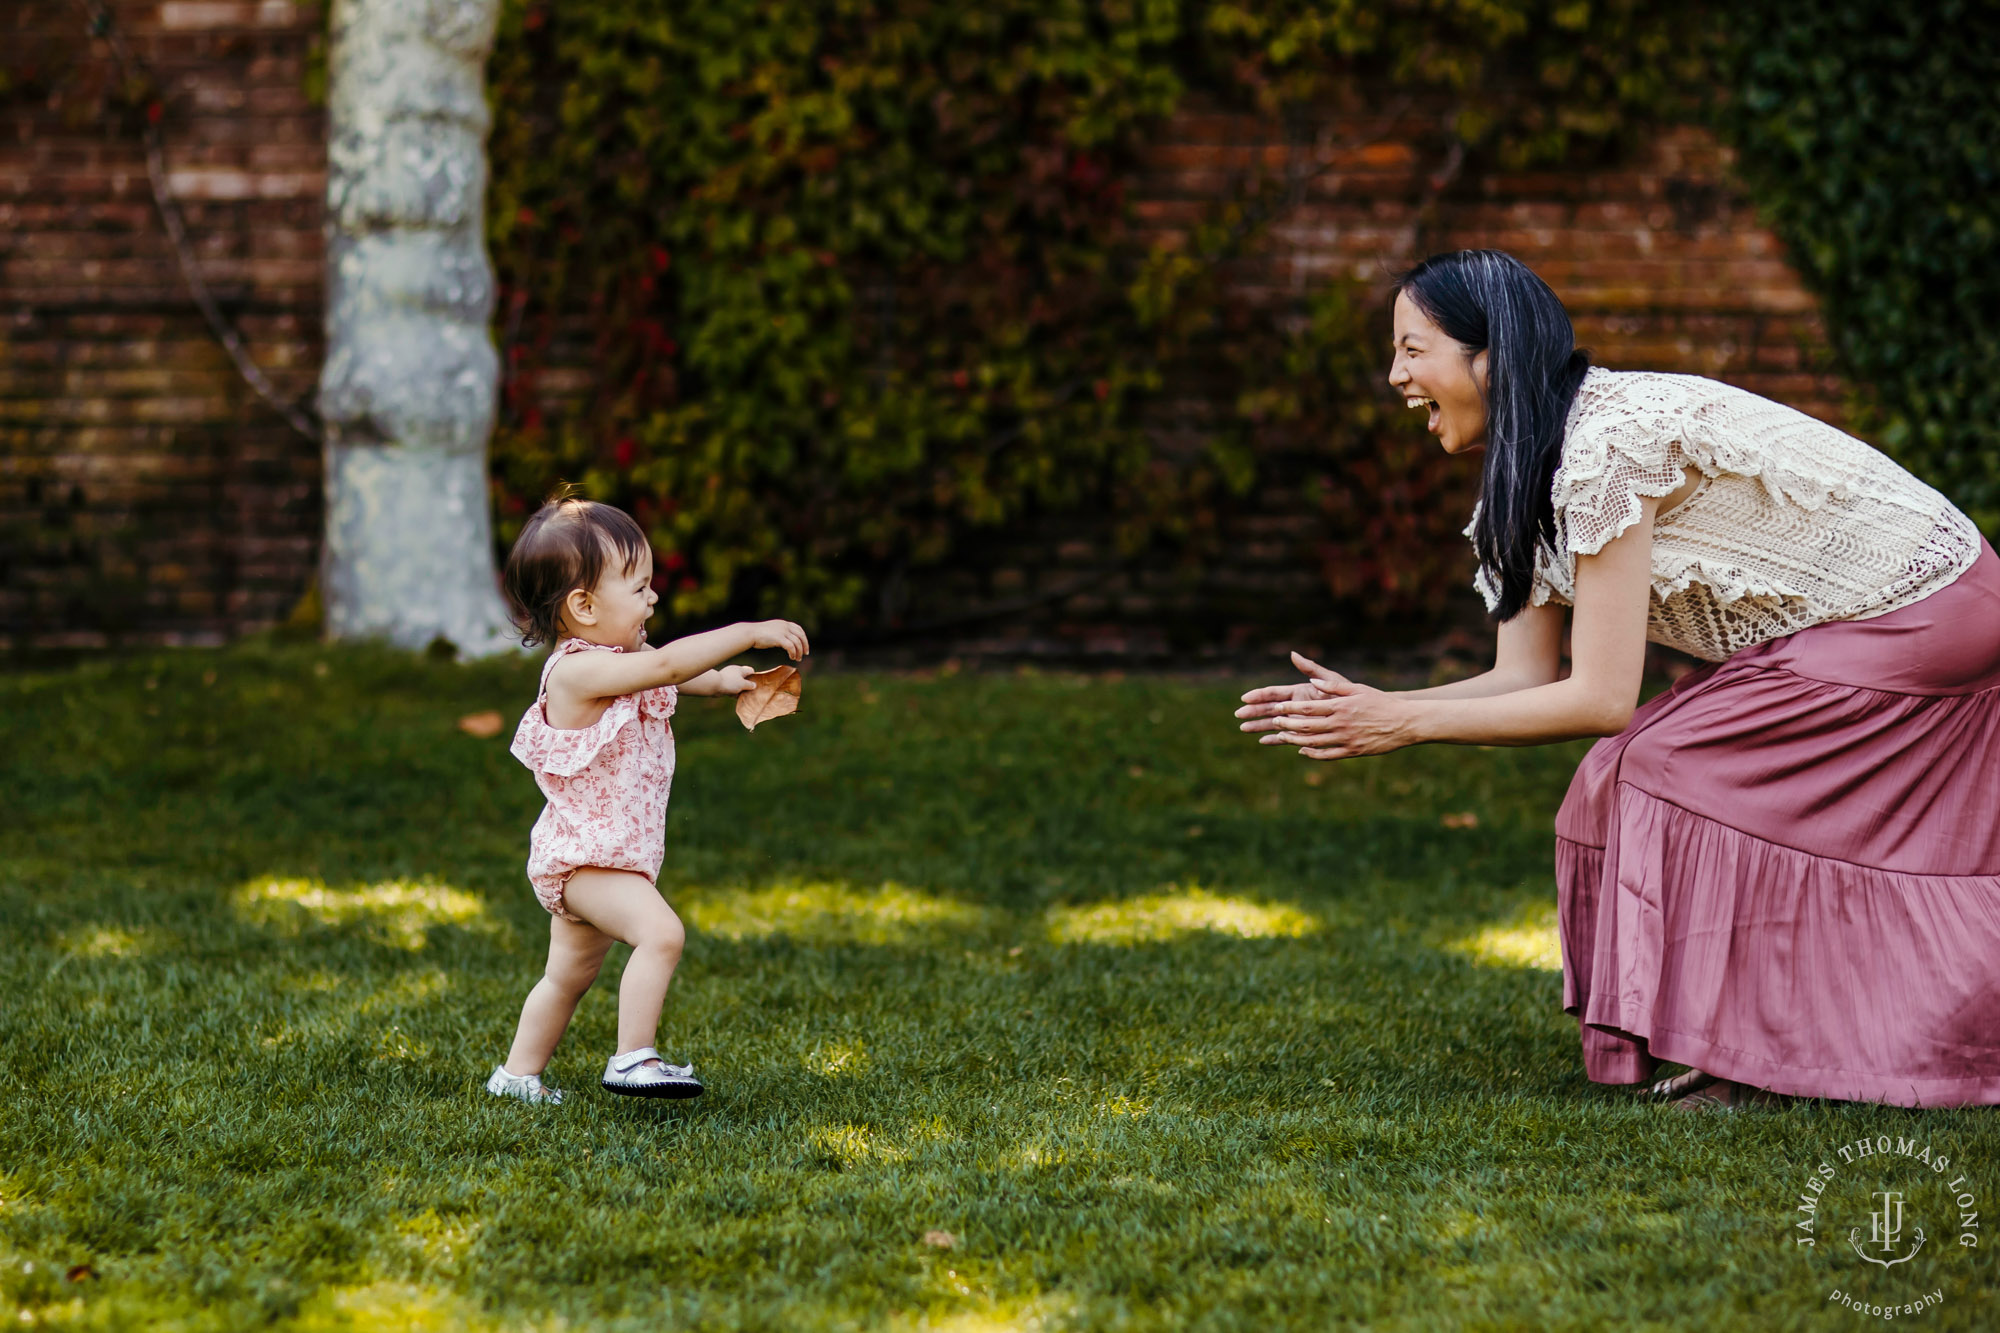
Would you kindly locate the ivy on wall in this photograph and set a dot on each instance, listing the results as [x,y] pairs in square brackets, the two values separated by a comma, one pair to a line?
[861,276]
[1869,133]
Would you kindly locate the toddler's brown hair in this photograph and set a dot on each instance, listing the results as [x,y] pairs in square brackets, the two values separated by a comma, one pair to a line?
[564,547]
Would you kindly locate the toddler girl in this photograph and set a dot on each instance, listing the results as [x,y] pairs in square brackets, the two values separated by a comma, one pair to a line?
[598,741]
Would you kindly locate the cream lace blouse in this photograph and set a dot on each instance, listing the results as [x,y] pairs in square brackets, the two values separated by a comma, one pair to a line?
[1791,524]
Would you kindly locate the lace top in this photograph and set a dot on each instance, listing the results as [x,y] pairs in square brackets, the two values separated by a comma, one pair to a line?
[1792,522]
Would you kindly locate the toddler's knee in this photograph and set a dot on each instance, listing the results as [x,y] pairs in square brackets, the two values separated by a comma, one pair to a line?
[572,981]
[665,940]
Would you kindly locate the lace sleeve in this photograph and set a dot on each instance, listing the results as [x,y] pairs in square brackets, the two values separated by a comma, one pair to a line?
[1611,458]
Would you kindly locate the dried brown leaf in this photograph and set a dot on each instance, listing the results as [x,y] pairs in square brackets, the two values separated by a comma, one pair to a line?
[483,725]
[940,1240]
[772,693]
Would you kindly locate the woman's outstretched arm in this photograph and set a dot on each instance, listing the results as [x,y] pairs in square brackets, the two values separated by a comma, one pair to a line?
[1528,653]
[1607,655]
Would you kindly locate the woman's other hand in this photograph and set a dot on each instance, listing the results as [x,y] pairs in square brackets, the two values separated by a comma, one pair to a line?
[1271,700]
[1347,721]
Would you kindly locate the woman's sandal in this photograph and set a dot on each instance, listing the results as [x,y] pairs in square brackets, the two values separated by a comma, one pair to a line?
[1721,1094]
[1680,1085]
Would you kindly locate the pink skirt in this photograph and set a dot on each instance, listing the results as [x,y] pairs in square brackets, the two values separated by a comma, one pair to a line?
[1786,870]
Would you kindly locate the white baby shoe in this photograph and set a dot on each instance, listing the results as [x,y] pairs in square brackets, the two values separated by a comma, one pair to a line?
[630,1076]
[525,1087]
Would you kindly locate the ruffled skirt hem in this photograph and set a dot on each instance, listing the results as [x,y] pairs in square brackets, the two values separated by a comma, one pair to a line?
[1806,975]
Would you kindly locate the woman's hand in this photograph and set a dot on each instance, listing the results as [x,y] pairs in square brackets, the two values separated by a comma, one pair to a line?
[1327,715]
[1271,700]
[780,634]
[1356,720]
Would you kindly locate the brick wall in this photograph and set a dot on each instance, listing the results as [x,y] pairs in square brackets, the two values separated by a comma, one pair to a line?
[1659,259]
[145,495]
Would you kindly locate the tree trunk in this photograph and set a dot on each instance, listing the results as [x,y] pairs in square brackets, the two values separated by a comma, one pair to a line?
[407,393]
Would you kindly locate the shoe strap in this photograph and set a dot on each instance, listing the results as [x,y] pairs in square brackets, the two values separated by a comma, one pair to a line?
[624,1064]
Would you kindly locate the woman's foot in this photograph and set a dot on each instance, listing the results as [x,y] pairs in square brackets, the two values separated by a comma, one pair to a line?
[1680,1085]
[1725,1095]
[522,1087]
[642,1073]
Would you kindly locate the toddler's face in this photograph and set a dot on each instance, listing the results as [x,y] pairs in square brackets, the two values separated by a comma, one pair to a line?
[622,600]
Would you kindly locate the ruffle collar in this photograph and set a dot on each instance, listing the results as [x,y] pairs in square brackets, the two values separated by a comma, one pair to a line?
[567,751]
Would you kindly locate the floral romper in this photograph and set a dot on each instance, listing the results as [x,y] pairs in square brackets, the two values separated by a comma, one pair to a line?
[606,785]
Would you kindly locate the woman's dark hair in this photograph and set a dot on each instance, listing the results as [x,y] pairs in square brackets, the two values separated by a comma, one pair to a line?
[1490,301]
[564,547]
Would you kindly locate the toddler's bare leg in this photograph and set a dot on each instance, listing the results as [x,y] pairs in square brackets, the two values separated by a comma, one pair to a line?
[628,907]
[576,951]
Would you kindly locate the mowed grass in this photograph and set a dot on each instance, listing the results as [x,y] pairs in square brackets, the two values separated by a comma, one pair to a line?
[1167,1031]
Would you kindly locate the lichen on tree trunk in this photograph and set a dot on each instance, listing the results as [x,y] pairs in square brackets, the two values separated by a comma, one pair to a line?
[407,392]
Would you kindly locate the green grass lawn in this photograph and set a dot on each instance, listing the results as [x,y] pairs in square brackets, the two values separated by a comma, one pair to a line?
[1166,1030]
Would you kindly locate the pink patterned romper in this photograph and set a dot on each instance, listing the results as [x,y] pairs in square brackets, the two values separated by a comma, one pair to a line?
[606,784]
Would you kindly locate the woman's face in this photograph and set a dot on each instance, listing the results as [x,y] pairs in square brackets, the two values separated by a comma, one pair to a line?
[1437,374]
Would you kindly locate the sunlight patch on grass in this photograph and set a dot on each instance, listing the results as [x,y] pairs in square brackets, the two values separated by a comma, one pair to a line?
[398,912]
[840,1059]
[1175,912]
[407,989]
[395,1045]
[1454,1224]
[931,1129]
[1123,1105]
[1038,1315]
[1526,939]
[438,1242]
[822,913]
[387,1307]
[852,1145]
[108,942]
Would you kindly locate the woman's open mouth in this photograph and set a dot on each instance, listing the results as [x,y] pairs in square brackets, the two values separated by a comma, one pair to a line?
[1430,405]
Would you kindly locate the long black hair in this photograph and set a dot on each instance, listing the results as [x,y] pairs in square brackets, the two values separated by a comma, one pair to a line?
[1490,301]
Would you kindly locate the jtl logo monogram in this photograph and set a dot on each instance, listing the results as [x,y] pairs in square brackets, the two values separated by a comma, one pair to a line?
[1884,1230]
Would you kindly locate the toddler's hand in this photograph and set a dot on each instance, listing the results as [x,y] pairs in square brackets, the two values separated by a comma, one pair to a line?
[780,634]
[733,679]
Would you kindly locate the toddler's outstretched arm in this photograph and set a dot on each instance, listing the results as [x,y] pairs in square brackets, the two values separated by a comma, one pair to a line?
[726,680]
[687,662]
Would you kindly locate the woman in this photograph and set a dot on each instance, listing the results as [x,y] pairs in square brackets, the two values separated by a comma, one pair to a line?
[1783,872]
